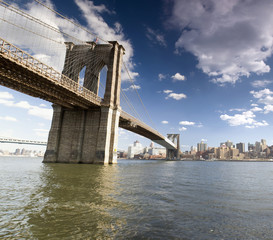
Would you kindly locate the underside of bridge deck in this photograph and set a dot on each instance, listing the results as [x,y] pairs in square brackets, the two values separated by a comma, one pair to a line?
[22,79]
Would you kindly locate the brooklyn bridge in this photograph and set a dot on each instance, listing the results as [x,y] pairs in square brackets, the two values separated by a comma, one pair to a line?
[85,126]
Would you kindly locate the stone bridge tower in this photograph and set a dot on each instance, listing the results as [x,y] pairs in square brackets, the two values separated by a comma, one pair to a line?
[174,153]
[88,135]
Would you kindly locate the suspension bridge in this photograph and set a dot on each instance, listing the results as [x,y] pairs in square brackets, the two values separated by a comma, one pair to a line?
[86,113]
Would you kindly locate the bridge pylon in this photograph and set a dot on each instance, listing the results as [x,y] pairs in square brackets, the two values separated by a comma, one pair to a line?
[79,135]
[174,154]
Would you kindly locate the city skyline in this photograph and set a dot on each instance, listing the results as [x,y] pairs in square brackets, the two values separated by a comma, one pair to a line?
[199,76]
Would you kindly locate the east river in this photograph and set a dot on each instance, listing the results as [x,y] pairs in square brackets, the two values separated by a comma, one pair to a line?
[136,200]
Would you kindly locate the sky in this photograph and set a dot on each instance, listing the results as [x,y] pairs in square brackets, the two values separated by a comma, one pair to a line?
[203,68]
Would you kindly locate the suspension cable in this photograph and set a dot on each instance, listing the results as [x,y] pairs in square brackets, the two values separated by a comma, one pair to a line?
[76,24]
[137,93]
[40,35]
[23,14]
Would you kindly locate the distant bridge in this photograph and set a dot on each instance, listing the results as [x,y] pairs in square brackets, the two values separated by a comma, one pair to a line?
[20,141]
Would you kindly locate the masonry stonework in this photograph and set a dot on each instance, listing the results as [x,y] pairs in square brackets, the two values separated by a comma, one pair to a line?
[88,135]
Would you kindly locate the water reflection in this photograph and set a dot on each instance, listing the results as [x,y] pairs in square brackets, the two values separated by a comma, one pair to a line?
[74,199]
[136,200]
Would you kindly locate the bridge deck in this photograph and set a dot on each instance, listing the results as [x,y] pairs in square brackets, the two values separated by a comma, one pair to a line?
[20,141]
[132,124]
[21,72]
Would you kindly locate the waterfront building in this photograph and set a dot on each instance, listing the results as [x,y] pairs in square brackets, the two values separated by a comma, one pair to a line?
[17,152]
[157,151]
[135,149]
[263,144]
[241,147]
[234,153]
[201,147]
[258,147]
[250,147]
[222,153]
[228,143]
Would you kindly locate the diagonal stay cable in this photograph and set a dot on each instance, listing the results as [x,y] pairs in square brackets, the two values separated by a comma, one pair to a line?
[76,24]
[36,20]
[138,93]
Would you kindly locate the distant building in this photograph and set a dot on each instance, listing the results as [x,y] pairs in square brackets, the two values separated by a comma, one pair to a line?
[201,147]
[241,147]
[157,151]
[17,151]
[234,153]
[250,147]
[135,149]
[228,144]
[263,144]
[258,147]
[222,152]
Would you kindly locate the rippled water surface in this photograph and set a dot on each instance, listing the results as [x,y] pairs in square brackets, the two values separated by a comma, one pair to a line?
[136,200]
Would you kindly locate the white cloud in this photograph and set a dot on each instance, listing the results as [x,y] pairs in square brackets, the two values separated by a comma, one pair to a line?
[23,104]
[182,129]
[161,76]
[42,112]
[265,97]
[7,118]
[246,119]
[132,87]
[6,95]
[164,122]
[167,91]
[237,109]
[256,109]
[176,96]
[41,132]
[268,108]
[155,37]
[230,39]
[187,123]
[262,93]
[178,77]
[260,83]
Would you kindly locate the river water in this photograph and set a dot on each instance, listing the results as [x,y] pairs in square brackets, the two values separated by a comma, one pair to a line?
[136,200]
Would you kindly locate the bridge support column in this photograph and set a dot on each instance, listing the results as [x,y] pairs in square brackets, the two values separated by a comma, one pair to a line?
[88,135]
[83,136]
[174,154]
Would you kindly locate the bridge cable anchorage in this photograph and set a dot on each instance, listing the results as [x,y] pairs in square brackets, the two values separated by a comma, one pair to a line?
[78,25]
[36,20]
[132,81]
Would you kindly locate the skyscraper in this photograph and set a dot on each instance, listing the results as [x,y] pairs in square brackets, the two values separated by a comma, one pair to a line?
[201,147]
[241,147]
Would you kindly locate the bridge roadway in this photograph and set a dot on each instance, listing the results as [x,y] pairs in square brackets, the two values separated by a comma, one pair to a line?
[20,141]
[23,73]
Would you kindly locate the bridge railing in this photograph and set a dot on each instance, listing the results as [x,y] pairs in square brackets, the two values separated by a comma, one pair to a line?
[23,58]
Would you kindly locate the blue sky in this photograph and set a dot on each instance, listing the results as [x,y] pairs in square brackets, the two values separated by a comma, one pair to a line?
[202,68]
